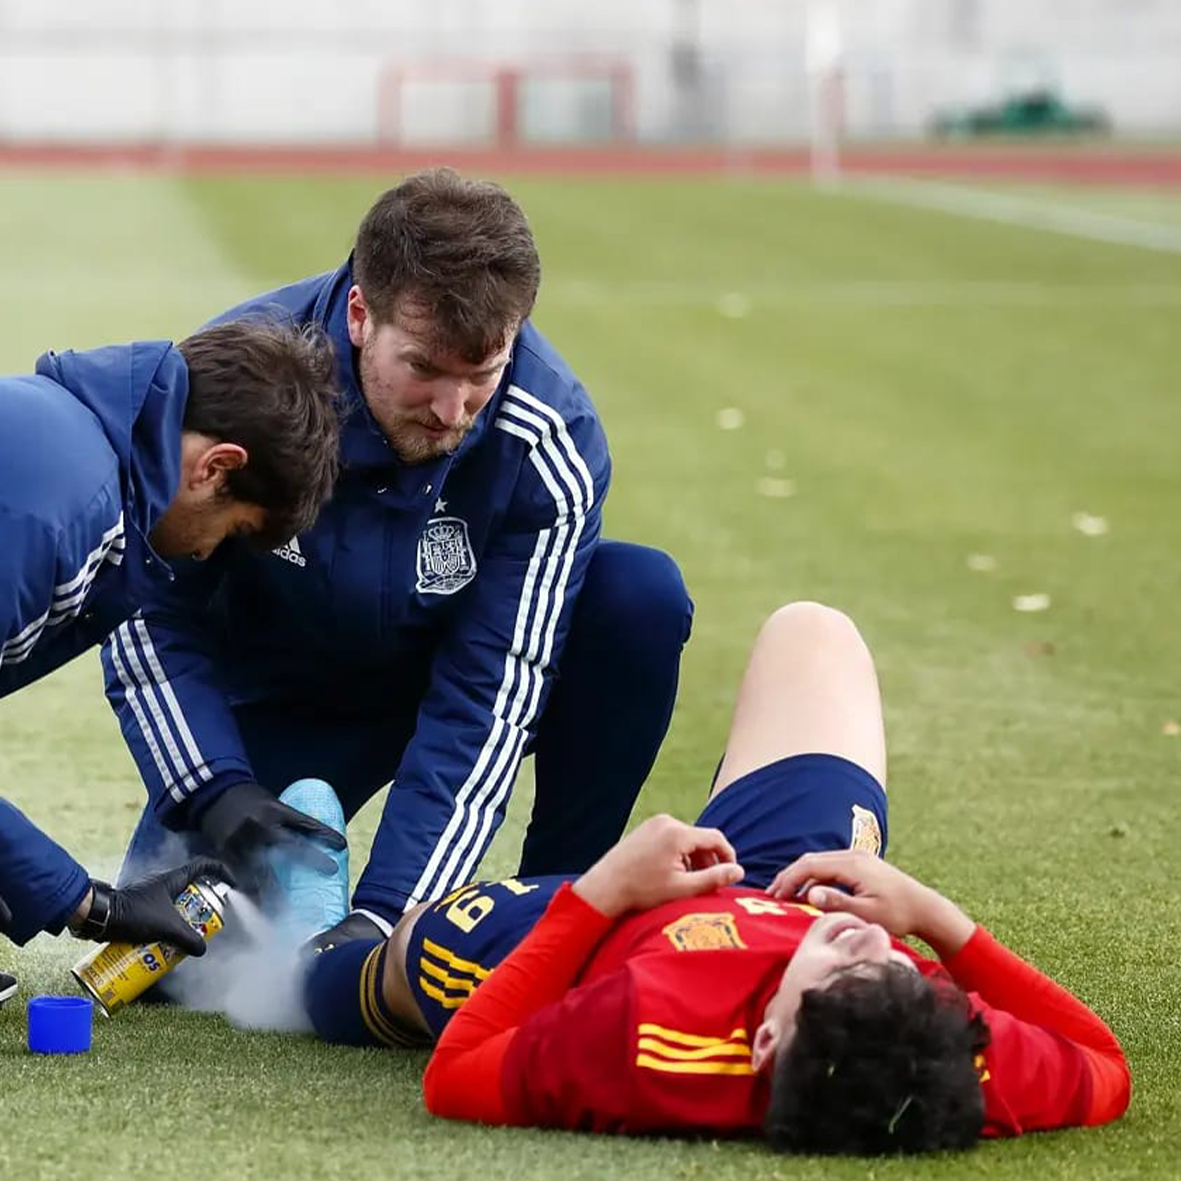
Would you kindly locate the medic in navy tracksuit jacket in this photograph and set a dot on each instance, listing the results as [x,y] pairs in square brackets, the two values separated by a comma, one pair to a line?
[412,634]
[77,502]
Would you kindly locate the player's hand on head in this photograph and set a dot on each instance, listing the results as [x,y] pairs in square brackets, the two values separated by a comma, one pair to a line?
[659,861]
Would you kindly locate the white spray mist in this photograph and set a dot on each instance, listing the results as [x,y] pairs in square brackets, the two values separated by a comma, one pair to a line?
[252,973]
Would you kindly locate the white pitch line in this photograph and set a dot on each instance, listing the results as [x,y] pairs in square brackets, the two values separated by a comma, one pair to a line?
[1017,210]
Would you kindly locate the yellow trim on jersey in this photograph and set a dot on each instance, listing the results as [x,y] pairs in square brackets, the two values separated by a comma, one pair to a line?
[677,1052]
[452,960]
[690,1039]
[447,980]
[661,1064]
[376,1021]
[465,983]
[447,899]
[448,1002]
[721,1050]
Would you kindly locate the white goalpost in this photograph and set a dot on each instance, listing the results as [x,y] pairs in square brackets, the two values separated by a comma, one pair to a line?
[824,61]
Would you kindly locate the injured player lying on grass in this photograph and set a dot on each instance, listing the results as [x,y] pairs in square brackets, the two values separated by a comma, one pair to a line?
[656,994]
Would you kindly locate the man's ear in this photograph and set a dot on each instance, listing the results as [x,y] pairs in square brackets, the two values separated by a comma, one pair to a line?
[767,1038]
[211,464]
[357,316]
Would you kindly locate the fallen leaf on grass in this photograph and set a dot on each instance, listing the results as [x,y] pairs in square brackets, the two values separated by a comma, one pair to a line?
[1089,525]
[1039,648]
[776,488]
[1035,602]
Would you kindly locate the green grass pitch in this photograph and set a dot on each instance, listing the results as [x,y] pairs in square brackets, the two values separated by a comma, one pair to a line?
[913,388]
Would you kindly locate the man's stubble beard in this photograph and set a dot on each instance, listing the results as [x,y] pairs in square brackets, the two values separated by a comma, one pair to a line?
[180,531]
[411,446]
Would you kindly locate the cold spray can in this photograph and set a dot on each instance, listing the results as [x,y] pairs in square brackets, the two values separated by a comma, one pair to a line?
[116,973]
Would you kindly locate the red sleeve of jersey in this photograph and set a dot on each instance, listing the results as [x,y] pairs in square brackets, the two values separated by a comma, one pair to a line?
[568,1065]
[463,1077]
[1051,1062]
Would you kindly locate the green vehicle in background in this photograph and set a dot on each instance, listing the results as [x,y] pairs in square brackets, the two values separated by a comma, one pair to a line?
[1033,104]
[1033,112]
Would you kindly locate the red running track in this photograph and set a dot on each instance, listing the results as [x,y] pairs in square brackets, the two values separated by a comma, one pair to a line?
[1033,162]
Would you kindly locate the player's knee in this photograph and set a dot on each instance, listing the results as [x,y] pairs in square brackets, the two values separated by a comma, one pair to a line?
[637,591]
[814,626]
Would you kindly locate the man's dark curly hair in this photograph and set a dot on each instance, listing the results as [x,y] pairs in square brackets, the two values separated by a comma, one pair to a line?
[882,1062]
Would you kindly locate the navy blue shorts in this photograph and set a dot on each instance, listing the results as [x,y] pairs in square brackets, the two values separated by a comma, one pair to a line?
[806,803]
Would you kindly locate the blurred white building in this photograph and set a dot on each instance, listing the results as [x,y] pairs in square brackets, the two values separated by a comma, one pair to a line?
[480,71]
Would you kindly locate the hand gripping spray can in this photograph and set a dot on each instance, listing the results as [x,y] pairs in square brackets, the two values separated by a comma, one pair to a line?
[116,973]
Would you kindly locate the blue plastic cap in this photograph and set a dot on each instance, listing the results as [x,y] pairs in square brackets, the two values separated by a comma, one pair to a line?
[60,1024]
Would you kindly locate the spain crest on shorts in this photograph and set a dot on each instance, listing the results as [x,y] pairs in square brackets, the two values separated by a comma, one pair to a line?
[703,932]
[867,833]
[446,562]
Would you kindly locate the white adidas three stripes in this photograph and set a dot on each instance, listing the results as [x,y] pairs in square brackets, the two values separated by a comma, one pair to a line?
[68,596]
[565,476]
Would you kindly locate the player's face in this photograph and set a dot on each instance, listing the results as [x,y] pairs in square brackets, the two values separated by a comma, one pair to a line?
[836,944]
[424,401]
[195,531]
[201,515]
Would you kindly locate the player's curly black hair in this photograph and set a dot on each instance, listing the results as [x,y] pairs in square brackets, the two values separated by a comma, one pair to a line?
[882,1062]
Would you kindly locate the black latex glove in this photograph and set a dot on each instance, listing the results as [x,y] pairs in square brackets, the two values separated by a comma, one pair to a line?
[246,818]
[354,925]
[146,910]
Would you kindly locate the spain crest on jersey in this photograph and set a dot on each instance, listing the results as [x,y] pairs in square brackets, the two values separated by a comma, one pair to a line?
[867,833]
[446,562]
[703,932]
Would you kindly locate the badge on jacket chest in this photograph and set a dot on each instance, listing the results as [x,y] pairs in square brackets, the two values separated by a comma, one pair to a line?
[446,562]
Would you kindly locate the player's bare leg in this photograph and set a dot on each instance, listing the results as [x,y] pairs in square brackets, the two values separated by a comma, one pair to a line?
[809,688]
[395,984]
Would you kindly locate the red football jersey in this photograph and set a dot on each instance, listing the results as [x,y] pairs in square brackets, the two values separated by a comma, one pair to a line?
[646,1025]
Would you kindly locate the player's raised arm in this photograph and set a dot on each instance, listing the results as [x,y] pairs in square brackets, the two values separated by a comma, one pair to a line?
[860,883]
[1050,1062]
[464,1078]
[661,860]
